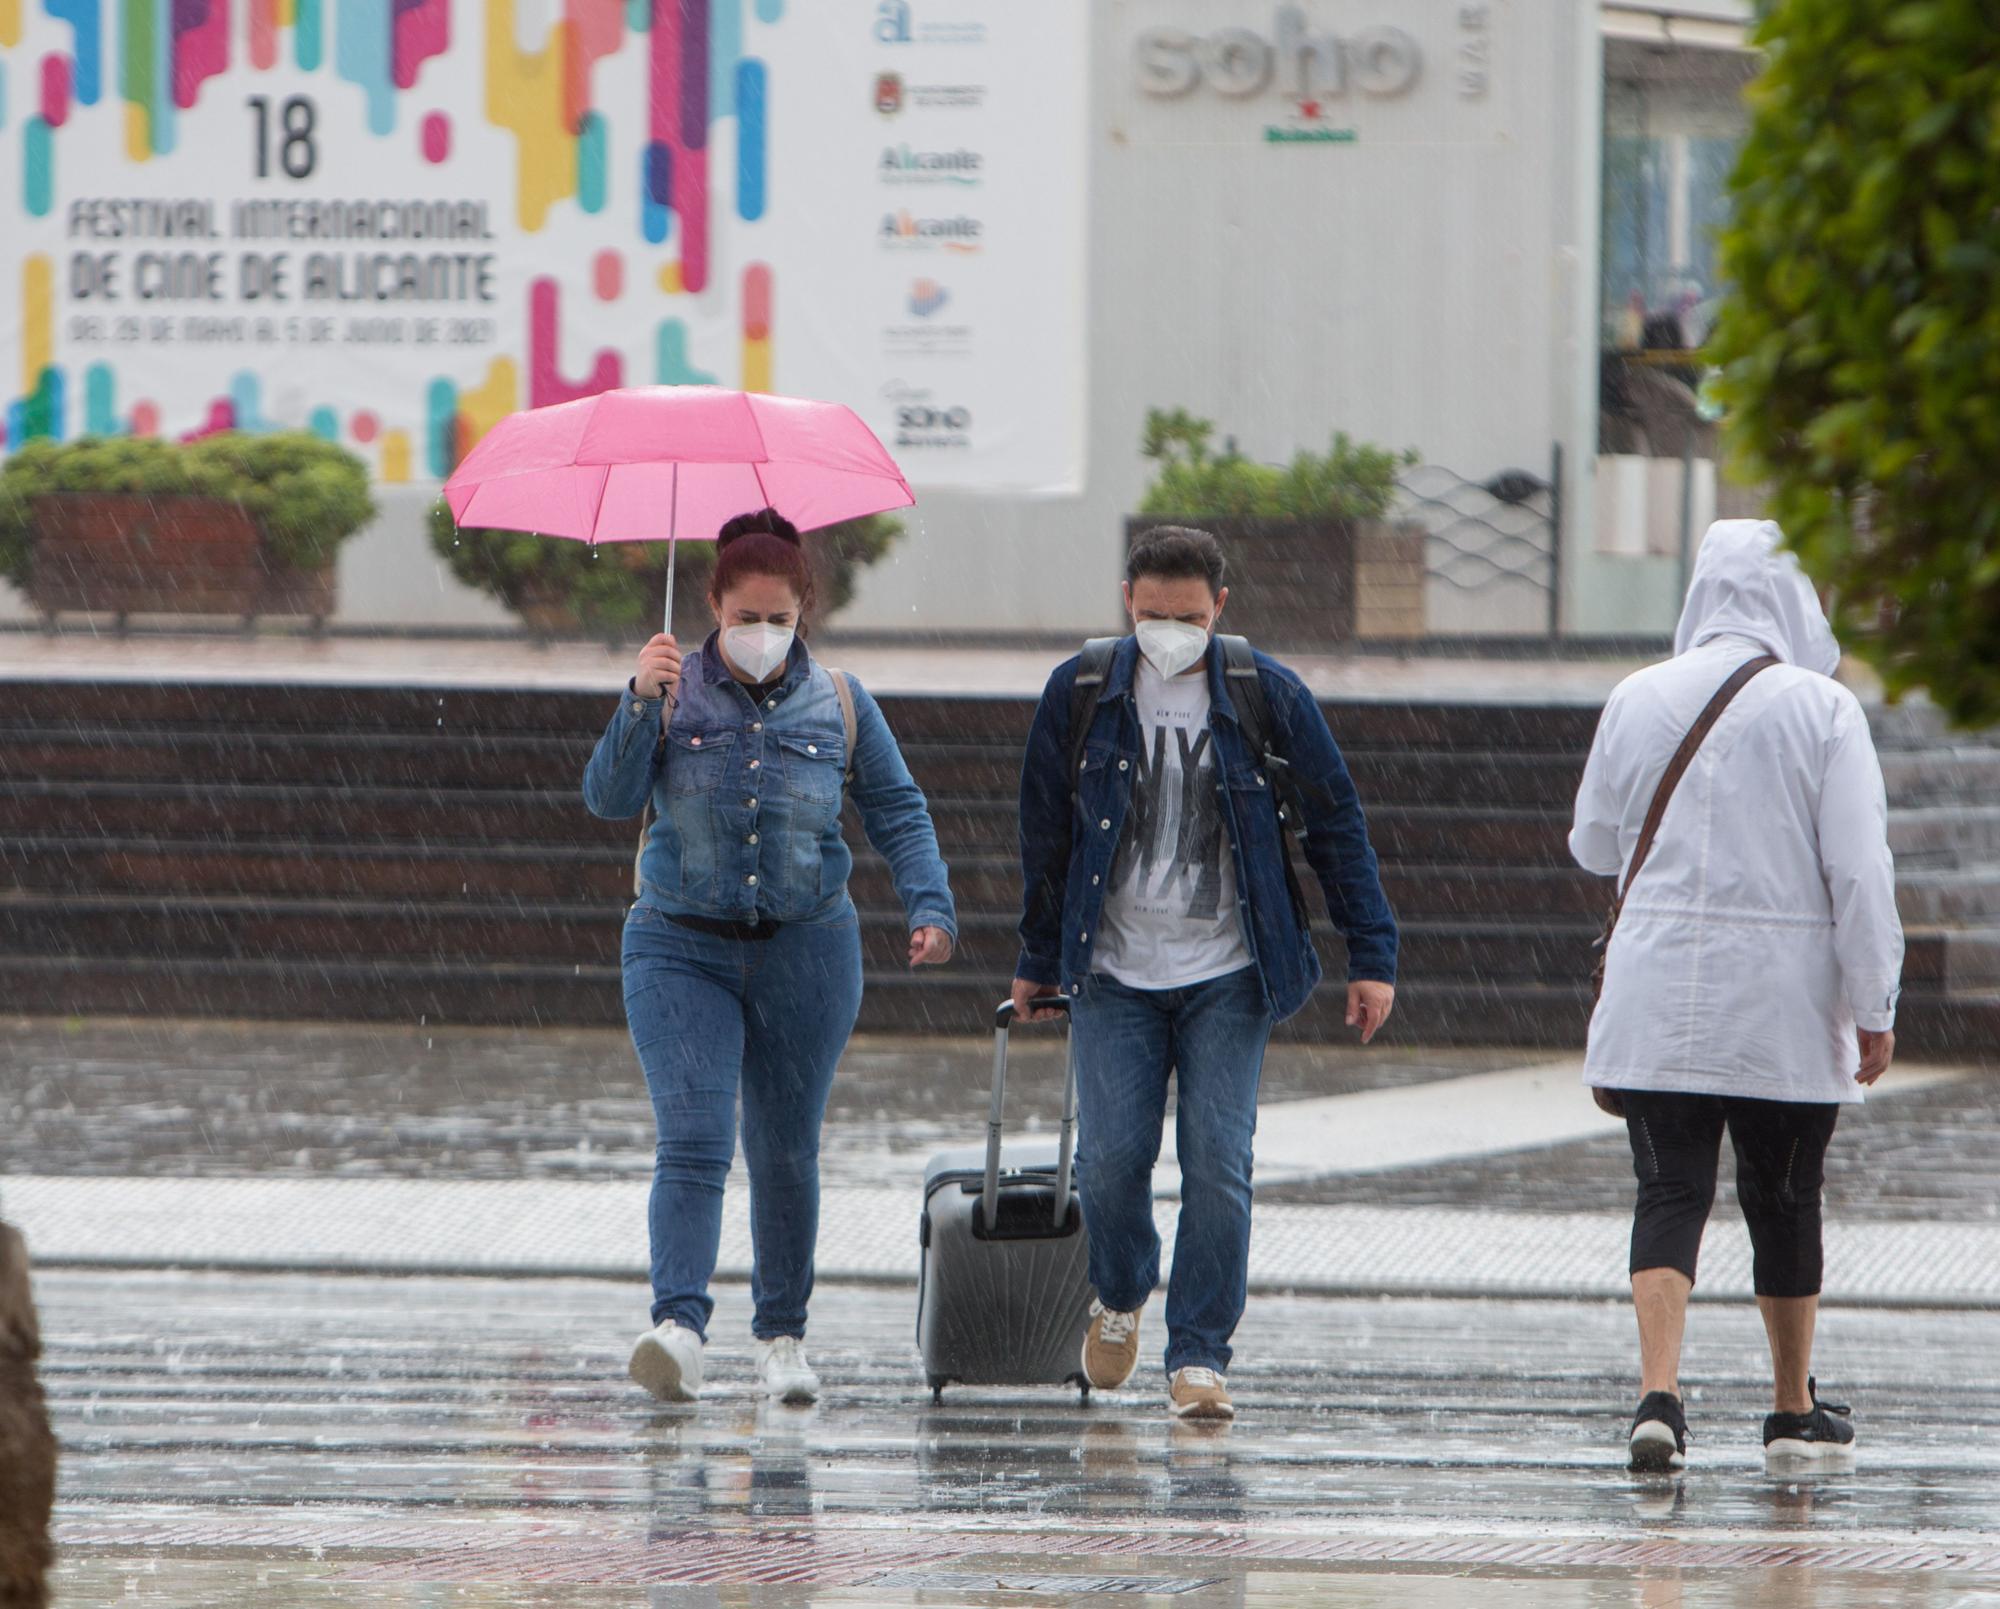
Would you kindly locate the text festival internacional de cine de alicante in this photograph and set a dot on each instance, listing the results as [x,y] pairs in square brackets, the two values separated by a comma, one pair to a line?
[384,276]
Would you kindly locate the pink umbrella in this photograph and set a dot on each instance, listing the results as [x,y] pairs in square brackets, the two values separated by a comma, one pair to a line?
[671,464]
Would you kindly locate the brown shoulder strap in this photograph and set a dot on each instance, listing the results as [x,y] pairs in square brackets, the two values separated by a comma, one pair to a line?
[850,728]
[1683,757]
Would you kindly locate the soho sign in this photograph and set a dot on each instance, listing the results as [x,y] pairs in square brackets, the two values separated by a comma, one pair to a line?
[1241,62]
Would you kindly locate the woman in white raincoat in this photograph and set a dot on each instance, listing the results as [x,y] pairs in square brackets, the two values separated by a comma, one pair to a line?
[1752,980]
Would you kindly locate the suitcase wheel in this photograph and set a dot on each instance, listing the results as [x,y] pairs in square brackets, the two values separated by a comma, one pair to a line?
[936,1383]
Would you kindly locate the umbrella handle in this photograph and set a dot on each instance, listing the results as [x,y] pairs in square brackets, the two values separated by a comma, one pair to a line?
[673,543]
[673,553]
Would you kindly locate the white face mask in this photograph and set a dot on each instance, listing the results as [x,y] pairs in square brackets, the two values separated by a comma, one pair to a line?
[1171,646]
[758,650]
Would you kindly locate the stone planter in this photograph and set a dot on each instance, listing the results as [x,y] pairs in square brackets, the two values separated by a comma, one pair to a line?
[122,554]
[547,610]
[1389,580]
[1316,586]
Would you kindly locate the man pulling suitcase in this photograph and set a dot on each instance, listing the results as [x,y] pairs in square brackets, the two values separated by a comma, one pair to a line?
[1167,775]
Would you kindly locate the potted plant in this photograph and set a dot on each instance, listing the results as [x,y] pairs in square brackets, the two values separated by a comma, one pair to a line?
[615,589]
[231,524]
[1316,561]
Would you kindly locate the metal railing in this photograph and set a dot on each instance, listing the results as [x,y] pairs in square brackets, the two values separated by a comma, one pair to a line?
[1501,533]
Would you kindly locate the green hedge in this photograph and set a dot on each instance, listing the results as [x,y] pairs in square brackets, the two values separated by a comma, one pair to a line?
[1349,481]
[1860,343]
[308,494]
[617,585]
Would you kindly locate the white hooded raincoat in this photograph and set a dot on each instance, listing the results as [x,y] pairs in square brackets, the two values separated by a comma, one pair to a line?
[1762,930]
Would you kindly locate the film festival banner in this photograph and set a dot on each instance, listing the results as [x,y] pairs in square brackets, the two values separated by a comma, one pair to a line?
[393,222]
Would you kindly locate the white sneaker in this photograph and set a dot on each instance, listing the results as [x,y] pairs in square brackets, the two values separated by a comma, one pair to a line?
[783,1373]
[667,1362]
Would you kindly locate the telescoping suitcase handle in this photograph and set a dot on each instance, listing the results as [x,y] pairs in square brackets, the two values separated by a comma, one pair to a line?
[989,1199]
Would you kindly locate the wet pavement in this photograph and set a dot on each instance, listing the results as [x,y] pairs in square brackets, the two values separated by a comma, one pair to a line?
[281,1440]
[135,1097]
[223,1099]
[1918,1155]
[275,1438]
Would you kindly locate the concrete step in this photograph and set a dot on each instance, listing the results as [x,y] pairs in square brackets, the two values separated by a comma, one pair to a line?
[1941,836]
[400,853]
[603,871]
[1916,724]
[1928,838]
[315,932]
[472,817]
[197,866]
[519,994]
[337,759]
[1967,774]
[521,817]
[947,1001]
[249,708]
[393,930]
[472,760]
[1965,897]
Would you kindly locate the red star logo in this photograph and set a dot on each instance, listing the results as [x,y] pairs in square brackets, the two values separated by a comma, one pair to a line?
[1309,110]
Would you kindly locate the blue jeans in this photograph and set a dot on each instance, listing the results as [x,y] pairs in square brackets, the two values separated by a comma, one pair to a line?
[1211,1036]
[710,1017]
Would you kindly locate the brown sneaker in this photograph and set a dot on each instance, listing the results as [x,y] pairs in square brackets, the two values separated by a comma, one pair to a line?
[1110,1347]
[1198,1393]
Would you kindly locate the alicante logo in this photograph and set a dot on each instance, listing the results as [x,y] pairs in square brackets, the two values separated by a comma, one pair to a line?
[902,165]
[961,234]
[896,24]
[892,22]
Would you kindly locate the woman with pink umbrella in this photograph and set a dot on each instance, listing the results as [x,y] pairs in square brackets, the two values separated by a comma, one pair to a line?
[742,956]
[742,951]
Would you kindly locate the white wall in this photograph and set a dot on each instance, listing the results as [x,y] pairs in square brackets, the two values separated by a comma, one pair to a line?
[1420,287]
[389,576]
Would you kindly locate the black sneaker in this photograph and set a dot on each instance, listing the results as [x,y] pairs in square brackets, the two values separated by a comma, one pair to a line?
[1659,1434]
[1823,1437]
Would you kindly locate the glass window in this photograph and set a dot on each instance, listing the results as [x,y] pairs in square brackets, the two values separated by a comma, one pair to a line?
[1673,119]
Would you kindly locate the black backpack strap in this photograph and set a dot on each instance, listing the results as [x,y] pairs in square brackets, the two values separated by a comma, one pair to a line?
[1092,667]
[1246,692]
[1253,719]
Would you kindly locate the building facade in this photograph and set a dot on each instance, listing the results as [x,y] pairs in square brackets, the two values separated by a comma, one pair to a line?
[1480,230]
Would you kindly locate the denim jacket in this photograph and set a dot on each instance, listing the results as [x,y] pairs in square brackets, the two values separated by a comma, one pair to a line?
[747,798]
[1068,842]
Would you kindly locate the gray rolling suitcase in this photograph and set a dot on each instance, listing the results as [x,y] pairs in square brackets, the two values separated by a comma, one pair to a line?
[1003,1298]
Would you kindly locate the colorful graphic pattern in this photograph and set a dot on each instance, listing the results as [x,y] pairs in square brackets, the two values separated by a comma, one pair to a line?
[164,53]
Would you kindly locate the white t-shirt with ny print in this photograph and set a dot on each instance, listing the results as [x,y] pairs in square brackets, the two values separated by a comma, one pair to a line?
[1170,909]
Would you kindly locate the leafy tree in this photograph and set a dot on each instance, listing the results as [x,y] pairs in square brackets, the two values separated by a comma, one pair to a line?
[1860,344]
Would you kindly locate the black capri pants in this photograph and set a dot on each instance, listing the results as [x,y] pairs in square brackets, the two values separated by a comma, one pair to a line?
[1780,1167]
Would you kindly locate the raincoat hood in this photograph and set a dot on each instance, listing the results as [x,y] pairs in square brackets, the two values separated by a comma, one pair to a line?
[1744,585]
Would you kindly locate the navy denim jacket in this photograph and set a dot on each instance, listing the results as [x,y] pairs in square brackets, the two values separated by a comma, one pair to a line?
[747,798]
[1067,842]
